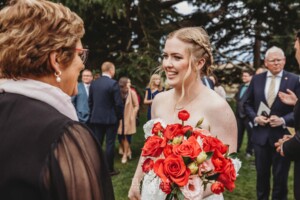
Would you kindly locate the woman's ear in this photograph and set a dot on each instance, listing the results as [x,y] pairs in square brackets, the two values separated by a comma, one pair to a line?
[54,61]
[200,64]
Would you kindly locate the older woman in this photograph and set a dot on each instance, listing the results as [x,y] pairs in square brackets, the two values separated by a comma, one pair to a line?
[44,152]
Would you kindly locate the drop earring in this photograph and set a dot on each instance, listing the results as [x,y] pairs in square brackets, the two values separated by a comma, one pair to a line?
[57,75]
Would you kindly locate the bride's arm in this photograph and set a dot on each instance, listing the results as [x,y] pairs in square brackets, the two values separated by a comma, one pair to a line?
[224,127]
[134,191]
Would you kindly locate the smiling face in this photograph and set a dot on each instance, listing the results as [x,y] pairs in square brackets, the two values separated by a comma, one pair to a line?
[176,63]
[70,73]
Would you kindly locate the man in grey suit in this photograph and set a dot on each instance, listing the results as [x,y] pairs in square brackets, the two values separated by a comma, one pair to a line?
[80,101]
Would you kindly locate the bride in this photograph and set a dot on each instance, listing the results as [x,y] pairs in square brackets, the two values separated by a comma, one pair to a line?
[187,55]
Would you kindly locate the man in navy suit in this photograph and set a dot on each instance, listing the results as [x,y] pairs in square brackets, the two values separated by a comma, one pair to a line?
[106,110]
[268,129]
[80,101]
[243,122]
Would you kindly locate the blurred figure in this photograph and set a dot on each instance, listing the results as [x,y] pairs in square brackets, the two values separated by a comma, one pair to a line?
[45,153]
[127,125]
[289,146]
[106,110]
[243,121]
[218,88]
[207,82]
[260,70]
[153,88]
[80,101]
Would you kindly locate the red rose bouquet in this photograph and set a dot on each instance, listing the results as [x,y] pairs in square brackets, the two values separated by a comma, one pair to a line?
[182,160]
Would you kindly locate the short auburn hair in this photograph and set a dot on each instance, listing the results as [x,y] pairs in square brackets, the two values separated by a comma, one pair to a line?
[30,30]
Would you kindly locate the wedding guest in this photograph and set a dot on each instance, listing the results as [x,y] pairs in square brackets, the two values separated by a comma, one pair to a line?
[207,81]
[106,110]
[80,101]
[153,88]
[218,88]
[267,130]
[127,125]
[243,121]
[186,54]
[289,146]
[45,153]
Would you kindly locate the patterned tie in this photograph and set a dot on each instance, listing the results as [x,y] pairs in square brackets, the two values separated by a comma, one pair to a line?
[271,93]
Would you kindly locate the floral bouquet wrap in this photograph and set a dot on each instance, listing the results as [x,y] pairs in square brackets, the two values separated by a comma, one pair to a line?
[181,160]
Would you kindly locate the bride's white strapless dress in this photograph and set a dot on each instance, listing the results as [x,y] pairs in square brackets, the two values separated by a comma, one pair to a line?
[151,182]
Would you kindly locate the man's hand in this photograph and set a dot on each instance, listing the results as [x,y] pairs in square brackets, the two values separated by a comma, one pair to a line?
[275,121]
[261,120]
[279,143]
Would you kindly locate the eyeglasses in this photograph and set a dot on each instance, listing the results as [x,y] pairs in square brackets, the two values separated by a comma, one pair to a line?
[83,54]
[275,60]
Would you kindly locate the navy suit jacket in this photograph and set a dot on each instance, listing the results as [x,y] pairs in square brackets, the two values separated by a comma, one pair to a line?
[255,94]
[210,82]
[80,102]
[105,101]
[240,111]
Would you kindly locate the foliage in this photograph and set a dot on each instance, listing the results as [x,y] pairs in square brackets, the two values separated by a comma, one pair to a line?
[131,33]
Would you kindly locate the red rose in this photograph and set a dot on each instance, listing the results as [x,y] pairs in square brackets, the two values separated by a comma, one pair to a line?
[186,129]
[166,187]
[183,115]
[157,127]
[219,161]
[158,168]
[188,148]
[168,150]
[147,165]
[212,144]
[176,170]
[153,146]
[173,130]
[217,188]
[228,176]
[201,133]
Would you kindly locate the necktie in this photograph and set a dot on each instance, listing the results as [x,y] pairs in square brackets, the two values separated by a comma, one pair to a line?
[243,90]
[271,92]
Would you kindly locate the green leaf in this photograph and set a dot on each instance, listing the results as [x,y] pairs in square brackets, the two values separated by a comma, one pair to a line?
[188,133]
[209,154]
[198,125]
[213,177]
[186,160]
[179,195]
[233,155]
[170,196]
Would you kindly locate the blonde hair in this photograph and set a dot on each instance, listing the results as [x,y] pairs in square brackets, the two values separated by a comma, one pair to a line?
[151,82]
[30,30]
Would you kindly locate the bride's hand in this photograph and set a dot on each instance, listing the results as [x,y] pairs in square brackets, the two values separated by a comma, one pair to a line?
[134,192]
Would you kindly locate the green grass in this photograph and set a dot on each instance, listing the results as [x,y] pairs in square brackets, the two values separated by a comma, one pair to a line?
[245,184]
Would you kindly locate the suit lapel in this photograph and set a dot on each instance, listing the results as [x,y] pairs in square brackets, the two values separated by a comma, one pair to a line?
[262,87]
[83,89]
[282,86]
